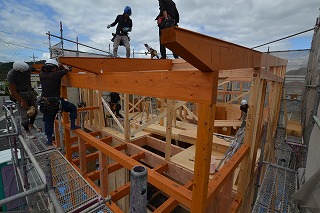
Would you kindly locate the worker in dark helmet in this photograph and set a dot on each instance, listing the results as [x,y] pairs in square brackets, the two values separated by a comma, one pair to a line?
[124,27]
[114,103]
[50,78]
[19,84]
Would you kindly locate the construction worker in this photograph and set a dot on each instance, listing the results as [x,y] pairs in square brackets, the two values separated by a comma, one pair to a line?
[168,17]
[244,109]
[114,103]
[151,51]
[19,84]
[124,27]
[50,78]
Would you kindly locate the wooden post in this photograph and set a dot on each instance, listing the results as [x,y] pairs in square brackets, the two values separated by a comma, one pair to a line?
[161,110]
[103,165]
[202,157]
[126,119]
[67,137]
[83,157]
[169,129]
[254,119]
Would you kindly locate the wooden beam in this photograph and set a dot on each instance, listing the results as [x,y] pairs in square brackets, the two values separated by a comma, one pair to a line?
[226,171]
[171,203]
[106,65]
[208,53]
[166,185]
[192,86]
[120,192]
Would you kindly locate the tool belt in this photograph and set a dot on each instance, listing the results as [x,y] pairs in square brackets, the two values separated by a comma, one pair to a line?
[49,105]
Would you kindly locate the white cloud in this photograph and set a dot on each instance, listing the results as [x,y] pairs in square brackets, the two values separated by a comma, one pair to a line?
[244,22]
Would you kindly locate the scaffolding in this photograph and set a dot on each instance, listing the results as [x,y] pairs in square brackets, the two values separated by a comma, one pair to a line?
[45,179]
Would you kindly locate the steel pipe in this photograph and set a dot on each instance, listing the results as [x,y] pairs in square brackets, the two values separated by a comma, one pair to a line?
[138,189]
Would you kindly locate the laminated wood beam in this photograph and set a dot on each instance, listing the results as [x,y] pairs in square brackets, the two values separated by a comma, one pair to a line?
[208,53]
[192,86]
[105,65]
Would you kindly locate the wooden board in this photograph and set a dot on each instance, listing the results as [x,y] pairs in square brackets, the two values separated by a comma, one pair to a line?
[189,136]
[186,158]
[294,128]
[120,135]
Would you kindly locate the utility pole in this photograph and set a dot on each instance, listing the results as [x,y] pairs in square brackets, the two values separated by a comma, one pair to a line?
[33,58]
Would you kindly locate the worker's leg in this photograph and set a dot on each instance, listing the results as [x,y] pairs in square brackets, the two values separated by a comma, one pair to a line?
[48,120]
[116,43]
[72,109]
[162,48]
[126,43]
[23,113]
[32,102]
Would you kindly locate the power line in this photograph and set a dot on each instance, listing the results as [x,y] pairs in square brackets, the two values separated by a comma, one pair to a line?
[23,38]
[8,42]
[283,38]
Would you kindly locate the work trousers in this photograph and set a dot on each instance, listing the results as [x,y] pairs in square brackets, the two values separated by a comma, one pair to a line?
[48,118]
[170,23]
[30,98]
[116,43]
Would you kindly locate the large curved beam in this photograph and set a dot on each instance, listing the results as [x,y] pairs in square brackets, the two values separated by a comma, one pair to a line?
[209,54]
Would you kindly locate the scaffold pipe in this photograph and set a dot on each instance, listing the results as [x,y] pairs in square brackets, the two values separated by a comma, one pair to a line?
[138,189]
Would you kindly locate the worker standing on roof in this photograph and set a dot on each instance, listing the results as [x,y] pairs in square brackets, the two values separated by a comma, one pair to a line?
[168,17]
[124,27]
[19,79]
[50,78]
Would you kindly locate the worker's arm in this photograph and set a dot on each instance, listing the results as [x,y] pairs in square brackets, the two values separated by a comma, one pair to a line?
[115,22]
[15,94]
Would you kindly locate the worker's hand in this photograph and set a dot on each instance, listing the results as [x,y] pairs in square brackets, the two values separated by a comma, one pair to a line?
[24,104]
[108,26]
[66,67]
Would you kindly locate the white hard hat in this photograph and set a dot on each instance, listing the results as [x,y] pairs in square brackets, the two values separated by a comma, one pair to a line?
[20,66]
[51,62]
[244,102]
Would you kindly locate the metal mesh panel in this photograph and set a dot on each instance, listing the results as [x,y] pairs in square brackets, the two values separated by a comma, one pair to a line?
[71,189]
[279,184]
[36,141]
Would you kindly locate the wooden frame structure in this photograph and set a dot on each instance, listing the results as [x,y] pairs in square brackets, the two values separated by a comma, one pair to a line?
[196,80]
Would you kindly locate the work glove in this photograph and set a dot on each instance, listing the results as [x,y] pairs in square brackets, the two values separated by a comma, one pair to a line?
[108,26]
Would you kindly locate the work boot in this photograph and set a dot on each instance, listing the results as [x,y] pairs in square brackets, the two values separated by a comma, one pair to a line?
[49,141]
[73,125]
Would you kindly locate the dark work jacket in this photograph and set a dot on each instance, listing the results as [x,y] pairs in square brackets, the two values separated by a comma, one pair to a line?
[22,80]
[122,23]
[51,82]
[170,7]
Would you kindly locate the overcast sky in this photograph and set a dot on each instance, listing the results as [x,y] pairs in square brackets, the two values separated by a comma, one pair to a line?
[24,23]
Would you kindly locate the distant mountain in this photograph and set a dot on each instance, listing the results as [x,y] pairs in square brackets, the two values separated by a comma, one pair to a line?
[301,71]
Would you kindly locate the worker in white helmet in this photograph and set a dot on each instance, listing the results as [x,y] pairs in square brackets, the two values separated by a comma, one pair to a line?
[244,109]
[19,79]
[50,78]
